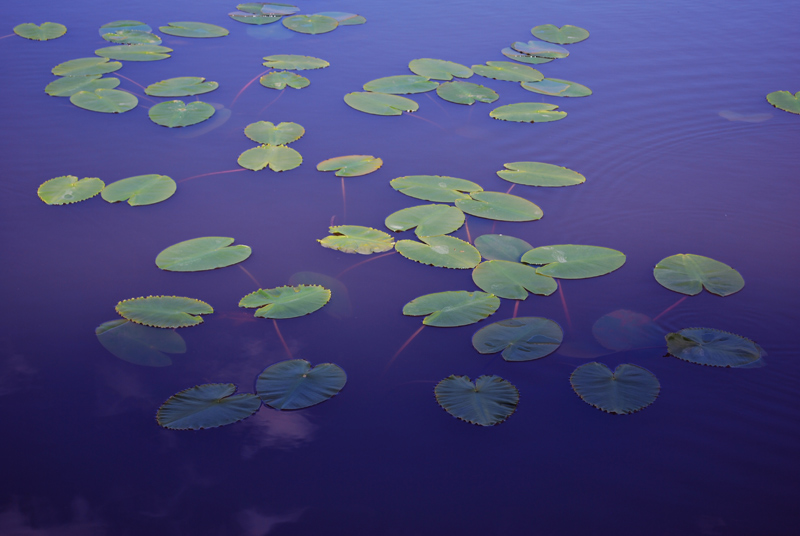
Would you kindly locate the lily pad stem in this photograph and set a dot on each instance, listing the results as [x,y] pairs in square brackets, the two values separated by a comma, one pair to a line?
[564,302]
[247,85]
[408,341]
[283,342]
[670,308]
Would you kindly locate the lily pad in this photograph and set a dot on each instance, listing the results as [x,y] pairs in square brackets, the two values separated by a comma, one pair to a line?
[108,101]
[194,29]
[67,86]
[489,401]
[357,239]
[286,301]
[206,406]
[706,346]
[164,311]
[118,25]
[528,112]
[439,69]
[132,37]
[268,8]
[68,189]
[440,251]
[626,390]
[270,134]
[512,280]
[429,220]
[134,52]
[86,66]
[281,79]
[623,330]
[566,35]
[436,188]
[310,24]
[182,86]
[344,19]
[353,165]
[555,87]
[497,247]
[293,384]
[176,113]
[340,305]
[452,308]
[403,84]
[499,206]
[688,274]
[540,174]
[294,62]
[277,157]
[204,253]
[516,55]
[508,71]
[140,190]
[466,93]
[253,18]
[785,101]
[43,32]
[140,345]
[520,339]
[540,49]
[569,261]
[380,103]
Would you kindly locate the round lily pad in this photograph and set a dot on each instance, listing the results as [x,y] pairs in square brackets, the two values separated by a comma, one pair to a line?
[68,189]
[344,19]
[277,157]
[67,86]
[138,344]
[626,390]
[140,190]
[357,239]
[706,346]
[689,274]
[499,206]
[43,32]
[206,406]
[785,101]
[194,29]
[164,311]
[176,113]
[380,103]
[528,112]
[623,330]
[401,85]
[204,253]
[134,52]
[270,134]
[555,87]
[269,8]
[310,24]
[294,62]
[439,69]
[540,49]
[286,301]
[508,71]
[429,220]
[253,18]
[497,247]
[281,79]
[489,401]
[466,93]
[293,384]
[520,339]
[569,261]
[132,37]
[436,188]
[353,165]
[512,280]
[86,66]
[516,55]
[440,251]
[452,308]
[540,174]
[565,35]
[182,86]
[118,25]
[108,101]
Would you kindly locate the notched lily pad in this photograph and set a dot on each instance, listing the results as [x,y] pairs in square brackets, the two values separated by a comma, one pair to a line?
[253,18]
[206,406]
[176,113]
[357,239]
[67,86]
[570,261]
[138,344]
[628,389]
[164,311]
[555,87]
[117,25]
[281,79]
[182,86]
[194,29]
[294,62]
[466,93]
[140,190]
[286,301]
[715,348]
[107,101]
[688,274]
[353,165]
[269,8]
[277,157]
[270,134]
[401,85]
[452,308]
[86,66]
[540,49]
[540,174]
[134,52]
[785,101]
[499,206]
[436,188]
[204,253]
[440,251]
[293,384]
[310,24]
[344,19]
[565,35]
[43,32]
[380,103]
[508,71]
[528,112]
[489,401]
[516,55]
[429,220]
[132,37]
[520,339]
[497,247]
[68,189]
[439,69]
[512,280]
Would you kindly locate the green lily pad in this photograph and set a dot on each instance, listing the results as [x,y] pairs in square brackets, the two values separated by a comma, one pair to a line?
[520,339]
[489,401]
[706,346]
[108,101]
[140,345]
[555,87]
[499,206]
[512,280]
[516,55]
[253,18]
[466,93]
[566,35]
[132,37]
[293,384]
[439,69]
[43,32]
[569,261]
[286,301]
[294,62]
[380,103]
[497,247]
[140,190]
[353,165]
[508,71]
[785,101]
[340,305]
[134,52]
[310,24]
[344,19]
[206,406]
[540,49]
[429,220]
[268,8]
[194,29]
[86,66]
[540,174]
[626,390]
[440,251]
[277,157]
[688,274]
[281,79]
[403,84]
[68,189]
[357,239]
[436,188]
[176,113]
[528,112]
[182,86]
[69,85]
[623,330]
[164,311]
[118,25]
[452,308]
[204,253]
[270,134]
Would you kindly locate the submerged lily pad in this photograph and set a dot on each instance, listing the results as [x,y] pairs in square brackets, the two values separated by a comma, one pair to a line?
[540,174]
[627,330]
[516,55]
[380,103]
[452,308]
[132,37]
[67,86]
[206,406]
[138,344]
[466,93]
[403,84]
[43,32]
[499,206]
[86,66]
[194,29]
[68,189]
[353,165]
[286,301]
[569,261]
[528,112]
[107,101]
[253,18]
[508,71]
[429,220]
[785,101]
[497,247]
[293,384]
[436,188]
[440,251]
[344,19]
[294,62]
[277,157]
[281,79]
[555,87]
[357,239]
[626,390]
[439,69]
[164,311]
[521,339]
[540,49]
[706,346]
[565,35]
[310,24]
[512,280]
[140,190]
[118,25]
[204,253]
[688,274]
[270,134]
[182,86]
[489,401]
[134,52]
[176,113]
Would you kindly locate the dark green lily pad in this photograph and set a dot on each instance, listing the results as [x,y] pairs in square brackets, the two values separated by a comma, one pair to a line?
[206,406]
[439,69]
[277,157]
[566,35]
[440,251]
[528,112]
[43,32]
[520,339]
[344,19]
[429,220]
[140,345]
[281,79]
[516,55]
[357,239]
[626,390]
[499,206]
[182,86]
[540,174]
[508,71]
[140,190]
[67,86]
[176,113]
[68,189]
[512,280]
[540,49]
[403,84]
[194,29]
[132,37]
[108,101]
[688,274]
[706,346]
[466,93]
[253,18]
[555,87]
[164,311]
[569,261]
[623,330]
[293,384]
[436,188]
[354,165]
[117,25]
[452,308]
[310,24]
[489,401]
[86,66]
[286,301]
[294,62]
[380,103]
[497,247]
[270,134]
[785,101]
[204,253]
[134,52]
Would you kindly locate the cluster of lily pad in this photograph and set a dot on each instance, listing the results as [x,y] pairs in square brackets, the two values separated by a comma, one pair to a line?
[137,191]
[273,151]
[289,62]
[260,13]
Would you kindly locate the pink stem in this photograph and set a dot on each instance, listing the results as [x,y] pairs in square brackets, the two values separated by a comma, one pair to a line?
[670,308]
[250,276]
[363,262]
[564,303]
[466,226]
[516,309]
[129,80]
[428,120]
[273,101]
[411,338]
[509,190]
[344,204]
[213,173]
[283,342]
[247,85]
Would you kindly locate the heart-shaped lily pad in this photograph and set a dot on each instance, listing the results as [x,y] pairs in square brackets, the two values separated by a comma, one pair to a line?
[43,32]
[401,85]
[270,134]
[380,103]
[499,206]
[429,220]
[440,251]
[540,174]
[512,280]
[132,37]
[555,87]
[294,62]
[67,86]
[353,165]
[520,339]
[176,113]
[565,35]
[508,71]
[466,93]
[134,52]
[277,157]
[138,344]
[452,308]
[140,190]
[182,86]
[436,188]
[785,101]
[357,239]
[68,189]
[253,18]
[528,112]
[286,301]
[439,69]
[516,55]
[570,261]
[206,406]
[204,253]
[688,274]
[118,25]
[293,384]
[107,101]
[164,311]
[86,66]
[497,247]
[489,401]
[281,79]
[626,390]
[194,29]
[715,348]
[310,24]
[540,49]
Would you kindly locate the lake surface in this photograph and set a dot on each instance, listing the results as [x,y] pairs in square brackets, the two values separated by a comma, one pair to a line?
[682,154]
